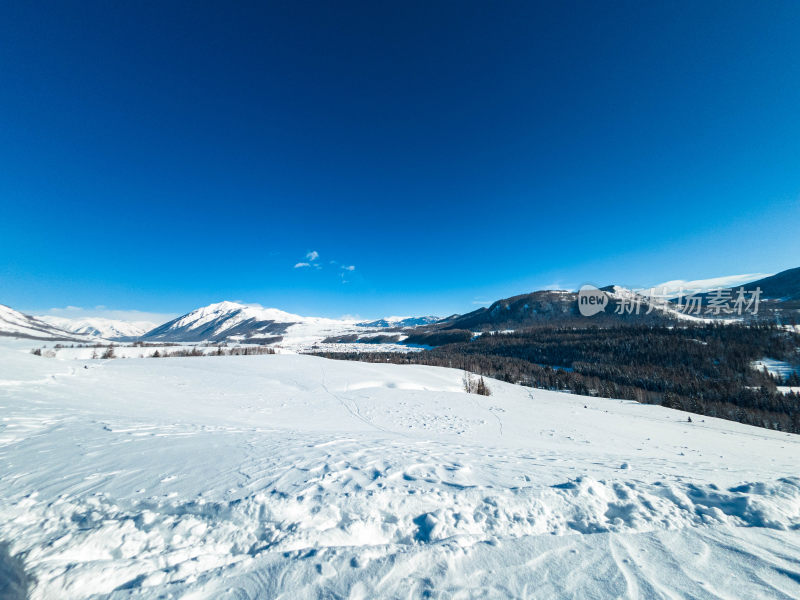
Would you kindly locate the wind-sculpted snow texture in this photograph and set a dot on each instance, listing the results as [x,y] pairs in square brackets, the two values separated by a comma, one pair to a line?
[289,476]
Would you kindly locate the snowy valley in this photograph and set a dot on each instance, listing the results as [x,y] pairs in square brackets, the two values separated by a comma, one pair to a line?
[237,465]
[290,476]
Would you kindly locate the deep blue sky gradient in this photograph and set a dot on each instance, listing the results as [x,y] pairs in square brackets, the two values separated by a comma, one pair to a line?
[162,156]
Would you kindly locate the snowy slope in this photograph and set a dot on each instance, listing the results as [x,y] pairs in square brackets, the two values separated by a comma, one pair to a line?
[109,329]
[15,324]
[660,304]
[292,476]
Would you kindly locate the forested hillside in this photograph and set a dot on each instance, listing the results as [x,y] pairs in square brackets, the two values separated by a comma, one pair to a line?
[700,369]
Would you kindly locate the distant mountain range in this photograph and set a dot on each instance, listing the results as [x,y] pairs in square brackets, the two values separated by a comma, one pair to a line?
[553,307]
[241,323]
[15,324]
[109,329]
[779,300]
[388,322]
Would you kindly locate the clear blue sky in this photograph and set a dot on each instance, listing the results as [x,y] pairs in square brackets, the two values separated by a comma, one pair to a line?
[160,156]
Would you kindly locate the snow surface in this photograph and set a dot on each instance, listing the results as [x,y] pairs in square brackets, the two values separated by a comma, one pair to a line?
[781,370]
[291,476]
[87,351]
[776,368]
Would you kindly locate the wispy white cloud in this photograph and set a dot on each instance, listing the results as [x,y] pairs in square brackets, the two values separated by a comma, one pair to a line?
[249,304]
[311,257]
[349,317]
[312,261]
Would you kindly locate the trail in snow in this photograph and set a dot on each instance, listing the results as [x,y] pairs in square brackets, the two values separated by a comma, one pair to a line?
[352,410]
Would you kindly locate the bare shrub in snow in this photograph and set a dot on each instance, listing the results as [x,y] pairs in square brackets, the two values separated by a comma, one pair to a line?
[475,385]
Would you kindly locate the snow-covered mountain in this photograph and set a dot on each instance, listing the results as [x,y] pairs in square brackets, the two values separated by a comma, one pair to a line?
[221,321]
[561,306]
[16,324]
[400,322]
[110,329]
[231,321]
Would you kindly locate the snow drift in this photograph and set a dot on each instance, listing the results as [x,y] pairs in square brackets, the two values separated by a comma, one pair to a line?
[292,476]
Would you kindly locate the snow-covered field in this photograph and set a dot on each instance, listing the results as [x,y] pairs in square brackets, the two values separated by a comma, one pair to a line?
[290,476]
[127,350]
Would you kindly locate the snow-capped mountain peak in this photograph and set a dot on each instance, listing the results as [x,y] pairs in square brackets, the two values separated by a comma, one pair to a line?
[232,321]
[227,310]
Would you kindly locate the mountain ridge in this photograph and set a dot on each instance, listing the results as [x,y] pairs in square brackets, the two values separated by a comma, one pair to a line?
[13,323]
[237,322]
[109,329]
